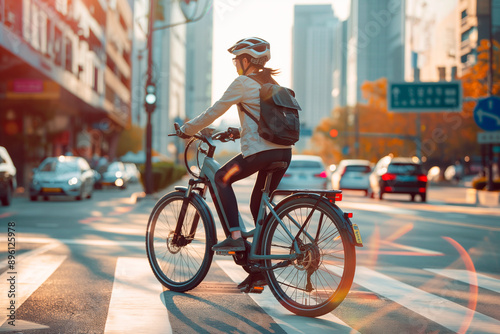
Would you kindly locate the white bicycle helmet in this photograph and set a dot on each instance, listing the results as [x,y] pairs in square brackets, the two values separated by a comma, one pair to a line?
[258,49]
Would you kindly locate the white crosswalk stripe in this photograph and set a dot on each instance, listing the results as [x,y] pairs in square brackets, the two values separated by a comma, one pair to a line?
[483,281]
[136,305]
[288,322]
[442,311]
[27,276]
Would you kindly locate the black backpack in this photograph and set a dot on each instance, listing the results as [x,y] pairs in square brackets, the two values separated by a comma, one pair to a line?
[279,114]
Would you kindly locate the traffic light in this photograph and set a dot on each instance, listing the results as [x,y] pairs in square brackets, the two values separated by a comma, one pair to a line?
[150,100]
[334,133]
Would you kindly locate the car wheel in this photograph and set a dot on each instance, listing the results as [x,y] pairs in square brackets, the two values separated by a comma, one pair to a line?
[423,197]
[45,198]
[367,193]
[80,196]
[33,198]
[7,199]
[380,194]
[412,197]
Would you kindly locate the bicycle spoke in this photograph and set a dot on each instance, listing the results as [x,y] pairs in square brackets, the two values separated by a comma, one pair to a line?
[307,286]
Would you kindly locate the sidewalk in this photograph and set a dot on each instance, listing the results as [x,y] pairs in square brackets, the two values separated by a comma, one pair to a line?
[154,197]
[462,194]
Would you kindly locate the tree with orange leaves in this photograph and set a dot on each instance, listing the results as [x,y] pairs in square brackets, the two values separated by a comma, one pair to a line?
[446,136]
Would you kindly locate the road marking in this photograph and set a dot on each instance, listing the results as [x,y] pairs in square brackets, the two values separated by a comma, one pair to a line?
[290,323]
[483,281]
[85,242]
[442,311]
[29,274]
[136,305]
[376,208]
[34,252]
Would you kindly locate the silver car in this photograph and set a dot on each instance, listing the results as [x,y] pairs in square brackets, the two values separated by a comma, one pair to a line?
[352,174]
[305,172]
[62,176]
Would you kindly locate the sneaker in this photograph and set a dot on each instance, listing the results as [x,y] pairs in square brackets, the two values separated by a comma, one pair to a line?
[230,245]
[254,283]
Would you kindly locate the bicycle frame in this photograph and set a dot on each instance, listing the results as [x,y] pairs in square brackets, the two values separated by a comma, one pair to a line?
[207,176]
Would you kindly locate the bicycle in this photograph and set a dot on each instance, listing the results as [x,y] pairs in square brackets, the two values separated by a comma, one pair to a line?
[304,244]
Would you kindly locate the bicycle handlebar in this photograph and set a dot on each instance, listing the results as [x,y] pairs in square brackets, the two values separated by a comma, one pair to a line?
[231,134]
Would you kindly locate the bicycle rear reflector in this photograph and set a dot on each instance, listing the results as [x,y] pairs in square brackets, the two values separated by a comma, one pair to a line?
[334,197]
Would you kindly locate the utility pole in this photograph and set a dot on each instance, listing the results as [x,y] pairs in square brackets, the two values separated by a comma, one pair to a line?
[150,97]
[489,147]
[150,108]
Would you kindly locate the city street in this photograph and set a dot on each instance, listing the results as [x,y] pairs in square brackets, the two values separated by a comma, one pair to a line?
[80,267]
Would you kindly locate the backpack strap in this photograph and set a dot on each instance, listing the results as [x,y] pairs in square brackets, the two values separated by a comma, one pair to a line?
[241,104]
[248,113]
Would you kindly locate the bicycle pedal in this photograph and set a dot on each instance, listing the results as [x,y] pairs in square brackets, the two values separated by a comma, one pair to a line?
[226,253]
[253,289]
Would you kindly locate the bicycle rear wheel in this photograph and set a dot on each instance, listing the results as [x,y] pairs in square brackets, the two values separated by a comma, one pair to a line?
[319,280]
[181,264]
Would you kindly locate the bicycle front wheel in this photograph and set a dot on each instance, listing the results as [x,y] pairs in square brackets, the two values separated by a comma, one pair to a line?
[180,263]
[318,280]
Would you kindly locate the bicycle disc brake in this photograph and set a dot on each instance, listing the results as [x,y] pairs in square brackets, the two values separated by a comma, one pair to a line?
[175,247]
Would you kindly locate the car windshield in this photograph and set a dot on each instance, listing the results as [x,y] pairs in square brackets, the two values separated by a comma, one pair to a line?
[110,168]
[359,169]
[404,169]
[59,166]
[305,164]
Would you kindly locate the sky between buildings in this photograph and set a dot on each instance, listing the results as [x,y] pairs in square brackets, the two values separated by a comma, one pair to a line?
[271,20]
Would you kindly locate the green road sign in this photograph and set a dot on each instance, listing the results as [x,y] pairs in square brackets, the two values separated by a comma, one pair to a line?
[424,96]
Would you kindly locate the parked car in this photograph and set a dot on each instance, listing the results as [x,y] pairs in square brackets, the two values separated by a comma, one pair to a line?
[113,175]
[8,182]
[305,172]
[132,172]
[398,175]
[62,176]
[352,174]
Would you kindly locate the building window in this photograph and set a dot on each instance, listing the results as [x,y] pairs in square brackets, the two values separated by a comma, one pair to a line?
[454,73]
[57,47]
[466,34]
[464,14]
[95,84]
[442,73]
[69,56]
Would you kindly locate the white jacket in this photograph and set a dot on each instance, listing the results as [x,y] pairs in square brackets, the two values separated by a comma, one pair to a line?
[246,91]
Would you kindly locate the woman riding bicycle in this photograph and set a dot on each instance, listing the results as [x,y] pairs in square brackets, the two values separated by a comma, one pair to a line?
[251,54]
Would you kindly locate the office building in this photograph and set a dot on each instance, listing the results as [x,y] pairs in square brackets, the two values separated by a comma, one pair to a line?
[199,37]
[474,18]
[376,44]
[339,90]
[313,46]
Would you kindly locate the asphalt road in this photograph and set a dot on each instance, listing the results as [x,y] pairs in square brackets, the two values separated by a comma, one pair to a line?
[80,267]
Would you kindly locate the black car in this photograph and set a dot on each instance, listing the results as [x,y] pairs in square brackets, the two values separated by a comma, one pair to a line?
[396,175]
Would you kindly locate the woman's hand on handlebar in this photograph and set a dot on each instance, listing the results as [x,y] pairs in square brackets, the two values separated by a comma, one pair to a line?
[179,133]
[230,134]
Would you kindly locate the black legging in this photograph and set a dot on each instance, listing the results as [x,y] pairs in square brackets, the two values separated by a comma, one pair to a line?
[239,168]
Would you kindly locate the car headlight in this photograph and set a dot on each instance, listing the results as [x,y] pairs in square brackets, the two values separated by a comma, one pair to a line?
[118,174]
[73,181]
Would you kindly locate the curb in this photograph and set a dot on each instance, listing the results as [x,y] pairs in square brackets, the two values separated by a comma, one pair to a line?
[483,197]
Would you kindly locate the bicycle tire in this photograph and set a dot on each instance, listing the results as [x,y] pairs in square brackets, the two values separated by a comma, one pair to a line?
[180,267]
[329,262]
